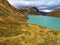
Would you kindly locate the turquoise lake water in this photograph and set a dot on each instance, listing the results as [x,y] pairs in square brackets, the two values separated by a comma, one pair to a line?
[46,21]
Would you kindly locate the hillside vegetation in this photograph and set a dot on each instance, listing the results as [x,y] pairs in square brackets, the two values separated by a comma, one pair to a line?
[15,31]
[55,13]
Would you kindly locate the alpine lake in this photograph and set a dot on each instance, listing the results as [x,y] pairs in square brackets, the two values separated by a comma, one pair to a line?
[45,21]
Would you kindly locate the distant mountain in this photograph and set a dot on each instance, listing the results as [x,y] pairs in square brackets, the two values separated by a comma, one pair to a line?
[24,7]
[43,13]
[55,13]
[30,11]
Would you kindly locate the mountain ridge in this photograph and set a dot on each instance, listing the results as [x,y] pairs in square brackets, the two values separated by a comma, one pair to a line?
[30,11]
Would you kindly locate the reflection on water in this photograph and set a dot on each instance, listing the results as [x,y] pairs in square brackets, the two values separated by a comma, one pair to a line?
[46,21]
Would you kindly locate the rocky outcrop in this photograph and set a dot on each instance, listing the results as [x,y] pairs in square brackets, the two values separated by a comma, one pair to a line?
[30,11]
[55,13]
[15,31]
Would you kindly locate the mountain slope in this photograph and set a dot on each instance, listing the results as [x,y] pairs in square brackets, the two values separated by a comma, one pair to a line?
[29,34]
[10,14]
[30,11]
[55,13]
[15,31]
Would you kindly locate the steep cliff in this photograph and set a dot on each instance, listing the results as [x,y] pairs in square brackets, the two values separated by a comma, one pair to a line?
[55,13]
[30,11]
[15,31]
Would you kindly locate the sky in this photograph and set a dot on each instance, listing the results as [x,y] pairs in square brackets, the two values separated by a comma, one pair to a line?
[42,5]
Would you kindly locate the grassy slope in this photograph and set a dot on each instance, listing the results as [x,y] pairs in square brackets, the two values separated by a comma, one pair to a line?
[9,12]
[14,32]
[55,13]
[29,34]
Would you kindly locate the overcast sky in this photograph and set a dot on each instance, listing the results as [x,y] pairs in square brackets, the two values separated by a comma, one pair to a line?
[45,5]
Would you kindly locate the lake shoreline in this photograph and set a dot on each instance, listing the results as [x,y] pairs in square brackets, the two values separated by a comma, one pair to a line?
[45,21]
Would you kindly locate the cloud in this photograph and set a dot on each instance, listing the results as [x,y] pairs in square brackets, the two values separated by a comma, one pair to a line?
[40,4]
[46,10]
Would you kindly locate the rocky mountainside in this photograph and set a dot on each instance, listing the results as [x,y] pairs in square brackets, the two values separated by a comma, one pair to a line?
[55,13]
[30,11]
[15,31]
